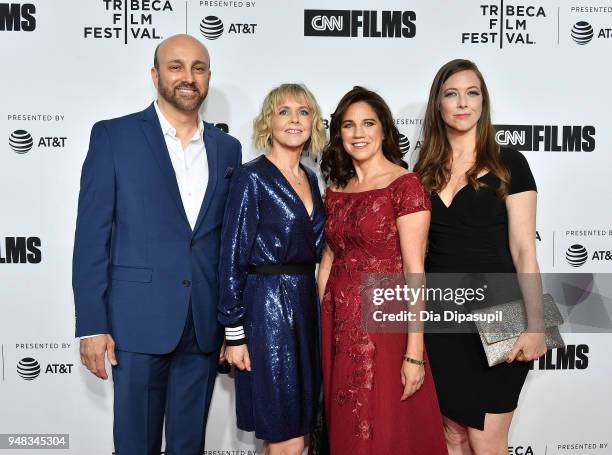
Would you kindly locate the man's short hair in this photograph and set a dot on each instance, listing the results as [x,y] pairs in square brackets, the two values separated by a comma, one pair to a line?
[155,61]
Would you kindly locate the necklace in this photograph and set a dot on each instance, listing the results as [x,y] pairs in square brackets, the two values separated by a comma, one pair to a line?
[291,176]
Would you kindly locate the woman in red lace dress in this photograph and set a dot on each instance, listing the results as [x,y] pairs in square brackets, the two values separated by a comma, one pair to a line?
[379,393]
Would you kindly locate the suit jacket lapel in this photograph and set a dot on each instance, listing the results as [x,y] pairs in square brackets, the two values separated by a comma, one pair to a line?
[152,131]
[210,142]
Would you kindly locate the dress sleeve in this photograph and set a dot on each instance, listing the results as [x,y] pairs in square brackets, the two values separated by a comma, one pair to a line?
[521,178]
[408,195]
[238,234]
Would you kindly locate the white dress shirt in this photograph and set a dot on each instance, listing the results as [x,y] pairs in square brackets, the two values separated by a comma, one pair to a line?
[190,168]
[190,165]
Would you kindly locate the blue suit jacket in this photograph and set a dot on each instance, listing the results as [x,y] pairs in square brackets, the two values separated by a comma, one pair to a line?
[137,263]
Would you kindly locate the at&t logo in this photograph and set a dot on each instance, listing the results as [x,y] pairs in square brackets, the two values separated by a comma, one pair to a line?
[576,255]
[404,143]
[28,368]
[211,27]
[21,141]
[582,32]
[16,17]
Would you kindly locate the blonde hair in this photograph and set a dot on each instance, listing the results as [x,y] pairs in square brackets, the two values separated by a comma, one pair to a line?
[262,132]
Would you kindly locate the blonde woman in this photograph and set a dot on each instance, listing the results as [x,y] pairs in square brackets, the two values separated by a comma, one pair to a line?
[272,238]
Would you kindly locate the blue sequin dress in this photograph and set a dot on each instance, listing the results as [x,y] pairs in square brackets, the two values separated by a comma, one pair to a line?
[267,223]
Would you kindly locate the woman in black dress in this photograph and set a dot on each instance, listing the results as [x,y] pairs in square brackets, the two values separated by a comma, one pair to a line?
[483,221]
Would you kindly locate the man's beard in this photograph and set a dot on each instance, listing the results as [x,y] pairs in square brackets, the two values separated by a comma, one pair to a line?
[183,104]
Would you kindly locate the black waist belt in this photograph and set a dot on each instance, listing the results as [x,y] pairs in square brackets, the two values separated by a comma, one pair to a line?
[279,269]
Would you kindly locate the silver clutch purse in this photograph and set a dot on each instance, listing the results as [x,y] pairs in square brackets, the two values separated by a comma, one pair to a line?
[498,337]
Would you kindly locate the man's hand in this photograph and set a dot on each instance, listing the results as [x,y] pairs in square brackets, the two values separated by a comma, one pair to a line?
[222,353]
[92,354]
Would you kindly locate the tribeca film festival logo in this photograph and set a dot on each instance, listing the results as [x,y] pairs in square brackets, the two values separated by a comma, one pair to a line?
[547,138]
[211,27]
[20,250]
[506,24]
[17,17]
[21,142]
[358,23]
[521,450]
[131,19]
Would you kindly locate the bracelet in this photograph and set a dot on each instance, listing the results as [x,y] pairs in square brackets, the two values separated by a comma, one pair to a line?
[415,361]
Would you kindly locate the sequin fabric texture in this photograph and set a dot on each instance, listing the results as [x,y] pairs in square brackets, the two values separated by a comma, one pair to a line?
[267,223]
[361,370]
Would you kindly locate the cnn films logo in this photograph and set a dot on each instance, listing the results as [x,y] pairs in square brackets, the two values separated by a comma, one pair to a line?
[130,19]
[547,138]
[212,28]
[359,23]
[29,368]
[506,24]
[21,142]
[17,17]
[20,250]
[571,357]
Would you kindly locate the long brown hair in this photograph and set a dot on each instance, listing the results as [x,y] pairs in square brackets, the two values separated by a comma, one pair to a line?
[336,164]
[433,165]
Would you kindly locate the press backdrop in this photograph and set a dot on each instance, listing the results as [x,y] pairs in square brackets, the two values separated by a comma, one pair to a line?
[66,64]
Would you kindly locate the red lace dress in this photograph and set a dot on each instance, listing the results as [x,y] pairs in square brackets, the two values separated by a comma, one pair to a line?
[361,371]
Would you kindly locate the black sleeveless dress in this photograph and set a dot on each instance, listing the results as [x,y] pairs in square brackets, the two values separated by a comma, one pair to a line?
[471,236]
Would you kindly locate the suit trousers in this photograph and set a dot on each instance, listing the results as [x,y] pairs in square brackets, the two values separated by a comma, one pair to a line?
[177,385]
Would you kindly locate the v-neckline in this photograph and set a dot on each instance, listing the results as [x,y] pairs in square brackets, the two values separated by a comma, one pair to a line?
[293,189]
[457,193]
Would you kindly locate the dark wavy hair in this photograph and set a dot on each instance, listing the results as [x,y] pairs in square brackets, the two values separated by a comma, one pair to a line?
[336,164]
[435,159]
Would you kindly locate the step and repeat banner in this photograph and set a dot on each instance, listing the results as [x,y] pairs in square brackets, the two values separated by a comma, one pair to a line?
[69,63]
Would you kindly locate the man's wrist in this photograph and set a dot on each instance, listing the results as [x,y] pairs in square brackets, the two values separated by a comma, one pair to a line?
[91,336]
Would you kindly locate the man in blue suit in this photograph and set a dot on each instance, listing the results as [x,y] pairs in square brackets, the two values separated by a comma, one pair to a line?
[153,191]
